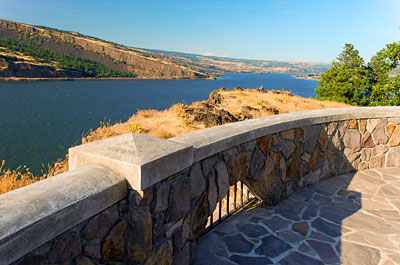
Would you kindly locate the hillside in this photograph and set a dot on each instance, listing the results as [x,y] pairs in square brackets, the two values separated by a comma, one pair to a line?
[215,64]
[37,51]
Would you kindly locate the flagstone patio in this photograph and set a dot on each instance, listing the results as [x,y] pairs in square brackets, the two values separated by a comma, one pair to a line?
[347,219]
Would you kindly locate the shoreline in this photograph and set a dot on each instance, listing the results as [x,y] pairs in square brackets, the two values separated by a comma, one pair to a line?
[313,78]
[36,79]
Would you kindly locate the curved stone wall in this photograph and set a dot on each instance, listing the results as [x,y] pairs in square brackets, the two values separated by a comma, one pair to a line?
[175,185]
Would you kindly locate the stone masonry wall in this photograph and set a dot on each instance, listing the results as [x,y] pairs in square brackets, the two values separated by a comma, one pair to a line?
[162,224]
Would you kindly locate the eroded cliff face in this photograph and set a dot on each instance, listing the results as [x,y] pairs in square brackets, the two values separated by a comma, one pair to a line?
[142,63]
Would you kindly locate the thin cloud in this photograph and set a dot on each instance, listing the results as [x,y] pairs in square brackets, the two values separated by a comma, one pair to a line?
[213,54]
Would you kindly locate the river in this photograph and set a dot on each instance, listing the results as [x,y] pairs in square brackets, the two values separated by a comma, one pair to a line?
[39,121]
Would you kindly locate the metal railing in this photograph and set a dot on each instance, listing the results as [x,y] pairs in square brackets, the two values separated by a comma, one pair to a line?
[238,197]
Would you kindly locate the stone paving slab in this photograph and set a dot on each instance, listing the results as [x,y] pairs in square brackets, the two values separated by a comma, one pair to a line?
[347,219]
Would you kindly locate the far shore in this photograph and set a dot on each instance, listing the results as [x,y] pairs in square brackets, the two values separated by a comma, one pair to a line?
[34,79]
[314,78]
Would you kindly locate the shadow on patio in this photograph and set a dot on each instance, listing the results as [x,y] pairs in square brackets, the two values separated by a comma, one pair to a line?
[348,219]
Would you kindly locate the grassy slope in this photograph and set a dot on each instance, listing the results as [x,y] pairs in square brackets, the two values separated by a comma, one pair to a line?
[180,119]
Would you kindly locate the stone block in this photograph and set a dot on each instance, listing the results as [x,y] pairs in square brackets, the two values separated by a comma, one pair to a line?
[285,146]
[341,164]
[173,228]
[114,244]
[366,141]
[293,164]
[363,165]
[222,180]
[256,163]
[212,194]
[352,139]
[265,143]
[275,155]
[314,160]
[352,124]
[247,147]
[342,127]
[64,248]
[332,126]
[355,164]
[389,129]
[267,177]
[158,227]
[362,125]
[185,229]
[162,254]
[312,137]
[238,168]
[123,207]
[288,135]
[92,250]
[323,140]
[179,202]
[395,136]
[282,167]
[99,225]
[351,155]
[379,135]
[161,197]
[377,161]
[208,163]
[393,157]
[366,154]
[199,218]
[336,142]
[371,124]
[140,235]
[380,149]
[197,181]
[298,134]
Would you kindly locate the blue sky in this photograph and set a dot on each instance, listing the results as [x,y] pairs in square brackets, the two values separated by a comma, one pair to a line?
[291,30]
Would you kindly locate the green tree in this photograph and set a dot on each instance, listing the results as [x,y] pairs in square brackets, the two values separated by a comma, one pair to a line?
[347,80]
[385,90]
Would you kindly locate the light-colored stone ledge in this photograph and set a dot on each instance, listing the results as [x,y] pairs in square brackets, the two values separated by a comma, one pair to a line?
[216,139]
[142,159]
[33,215]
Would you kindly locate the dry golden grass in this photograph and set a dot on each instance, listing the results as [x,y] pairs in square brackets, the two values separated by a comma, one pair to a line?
[20,177]
[177,120]
[281,100]
[14,179]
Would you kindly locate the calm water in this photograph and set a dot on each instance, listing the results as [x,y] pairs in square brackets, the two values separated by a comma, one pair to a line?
[39,121]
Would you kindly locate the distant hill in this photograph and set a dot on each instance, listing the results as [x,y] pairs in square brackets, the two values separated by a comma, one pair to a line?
[38,51]
[215,64]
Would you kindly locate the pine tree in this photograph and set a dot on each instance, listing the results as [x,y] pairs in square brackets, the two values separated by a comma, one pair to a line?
[385,90]
[347,80]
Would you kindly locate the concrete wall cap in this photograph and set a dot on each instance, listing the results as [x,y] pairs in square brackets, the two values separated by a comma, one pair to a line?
[50,207]
[216,139]
[142,159]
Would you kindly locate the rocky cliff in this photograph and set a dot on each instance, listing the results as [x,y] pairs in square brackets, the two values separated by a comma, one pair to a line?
[142,63]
